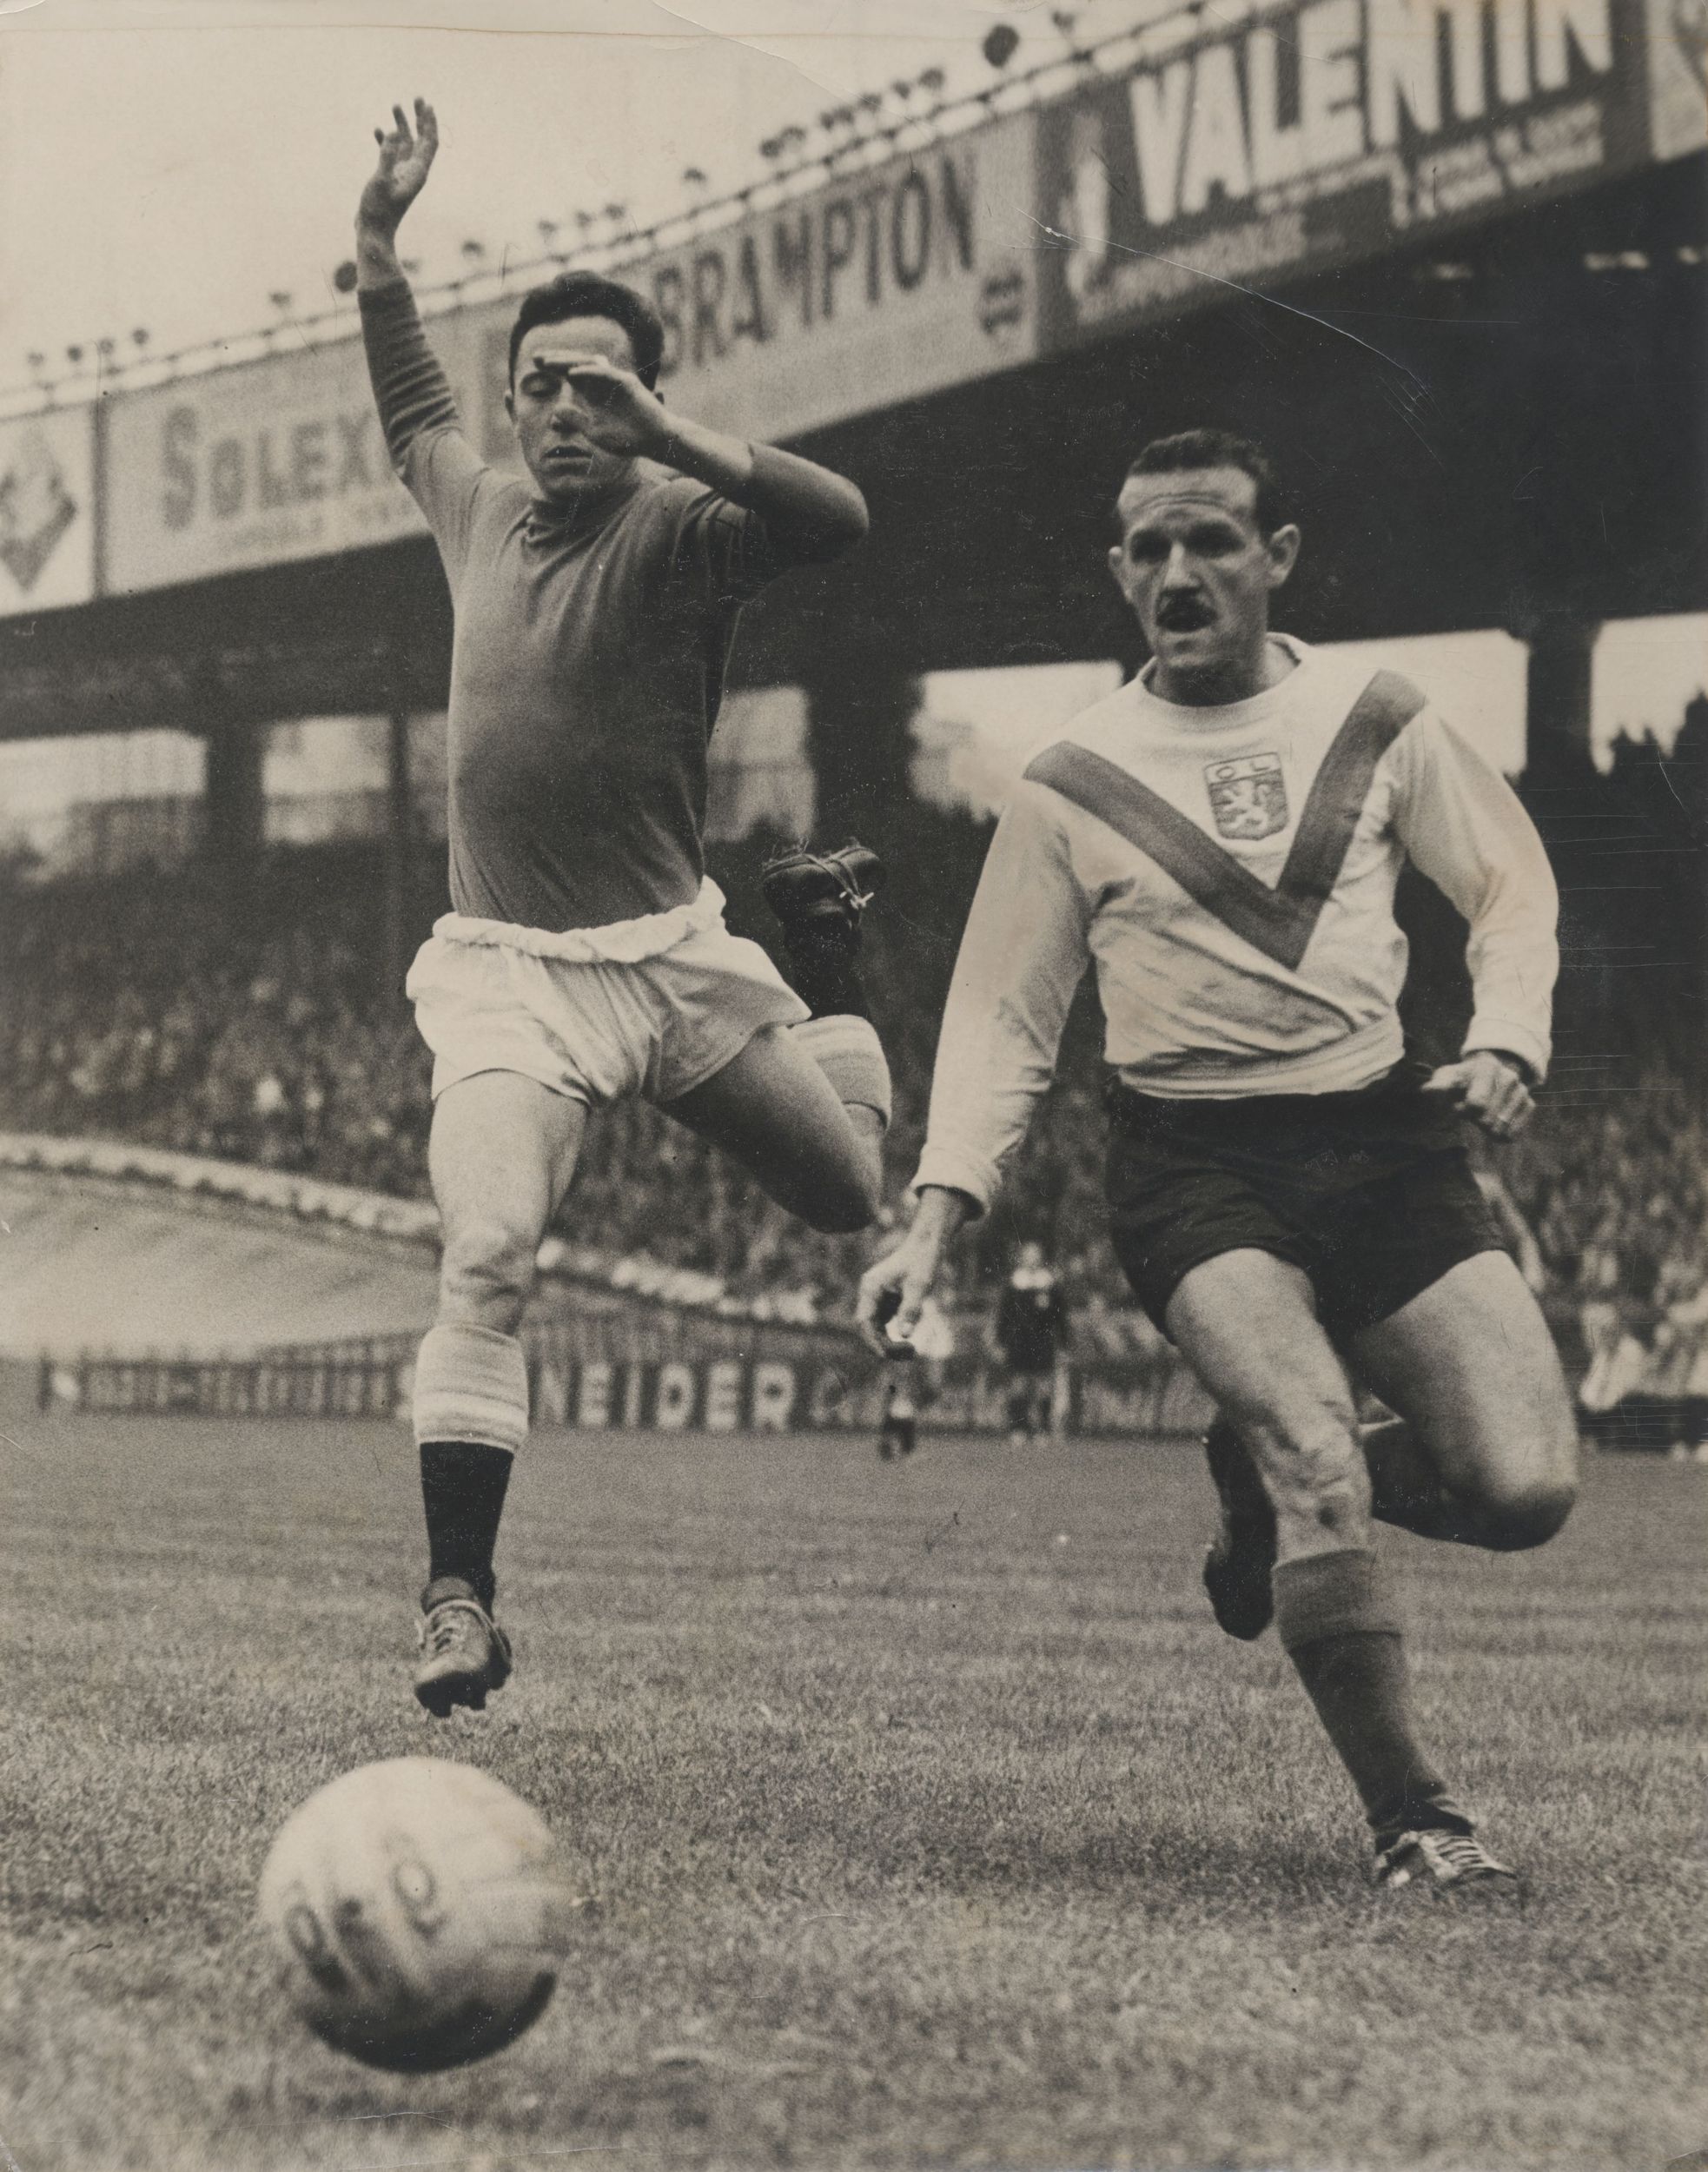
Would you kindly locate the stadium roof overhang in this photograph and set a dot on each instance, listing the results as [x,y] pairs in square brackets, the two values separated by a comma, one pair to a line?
[1473,337]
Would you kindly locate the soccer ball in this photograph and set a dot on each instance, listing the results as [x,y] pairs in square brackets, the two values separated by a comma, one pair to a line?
[419,1914]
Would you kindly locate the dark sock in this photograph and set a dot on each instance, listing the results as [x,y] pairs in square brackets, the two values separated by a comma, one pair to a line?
[825,966]
[463,1484]
[1343,1636]
[1235,1475]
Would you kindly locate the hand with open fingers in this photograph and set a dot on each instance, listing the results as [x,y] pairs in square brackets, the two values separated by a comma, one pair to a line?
[1487,1087]
[893,1291]
[618,412]
[406,159]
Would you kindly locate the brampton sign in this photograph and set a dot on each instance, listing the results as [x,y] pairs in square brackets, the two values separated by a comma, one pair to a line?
[1306,135]
[893,283]
[889,284]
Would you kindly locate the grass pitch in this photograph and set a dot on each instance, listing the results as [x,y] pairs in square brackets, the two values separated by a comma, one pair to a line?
[927,1819]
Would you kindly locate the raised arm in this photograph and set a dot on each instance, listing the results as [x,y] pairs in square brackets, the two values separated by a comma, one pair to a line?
[410,389]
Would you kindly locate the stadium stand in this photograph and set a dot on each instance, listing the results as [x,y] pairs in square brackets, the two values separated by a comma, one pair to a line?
[136,1011]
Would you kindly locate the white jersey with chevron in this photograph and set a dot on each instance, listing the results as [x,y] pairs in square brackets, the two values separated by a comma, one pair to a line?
[1231,872]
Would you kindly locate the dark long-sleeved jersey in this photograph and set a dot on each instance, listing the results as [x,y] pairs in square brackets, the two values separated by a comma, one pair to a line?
[588,662]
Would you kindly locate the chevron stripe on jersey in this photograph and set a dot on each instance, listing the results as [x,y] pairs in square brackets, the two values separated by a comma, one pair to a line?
[1236,904]
[1278,922]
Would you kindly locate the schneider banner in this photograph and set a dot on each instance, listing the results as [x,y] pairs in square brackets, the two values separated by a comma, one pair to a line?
[714,1395]
[1291,138]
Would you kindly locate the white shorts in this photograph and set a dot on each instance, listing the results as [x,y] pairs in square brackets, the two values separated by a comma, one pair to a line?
[652,1007]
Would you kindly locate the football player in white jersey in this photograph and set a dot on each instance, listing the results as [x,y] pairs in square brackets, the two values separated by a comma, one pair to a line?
[1290,1195]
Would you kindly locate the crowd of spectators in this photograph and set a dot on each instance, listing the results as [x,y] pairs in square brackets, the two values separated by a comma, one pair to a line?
[134,1008]
[148,1008]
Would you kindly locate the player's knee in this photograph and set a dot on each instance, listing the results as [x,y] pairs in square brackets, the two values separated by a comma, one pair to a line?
[842,1201]
[1512,1518]
[487,1273]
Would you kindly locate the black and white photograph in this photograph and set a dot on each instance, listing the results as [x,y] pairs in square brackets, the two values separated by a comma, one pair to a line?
[853,1085]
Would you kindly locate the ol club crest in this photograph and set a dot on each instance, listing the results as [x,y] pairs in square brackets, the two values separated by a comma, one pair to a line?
[1248,797]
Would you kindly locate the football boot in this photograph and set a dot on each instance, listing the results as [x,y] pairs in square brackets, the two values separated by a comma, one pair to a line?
[1240,1565]
[464,1652]
[823,894]
[1448,1862]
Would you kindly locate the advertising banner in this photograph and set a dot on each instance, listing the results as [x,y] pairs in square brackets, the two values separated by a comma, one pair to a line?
[883,286]
[1284,139]
[1676,43]
[274,460]
[47,512]
[892,283]
[1152,1399]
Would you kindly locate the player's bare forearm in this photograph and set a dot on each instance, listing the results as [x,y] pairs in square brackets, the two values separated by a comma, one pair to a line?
[377,261]
[940,1217]
[893,1292]
[807,508]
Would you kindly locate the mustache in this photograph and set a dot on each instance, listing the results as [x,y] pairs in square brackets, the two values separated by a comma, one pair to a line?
[1184,614]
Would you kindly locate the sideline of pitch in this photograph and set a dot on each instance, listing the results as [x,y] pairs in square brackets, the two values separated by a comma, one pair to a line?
[309,1202]
[707,1393]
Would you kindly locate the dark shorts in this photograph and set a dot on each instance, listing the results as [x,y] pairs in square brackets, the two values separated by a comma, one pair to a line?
[1370,1193]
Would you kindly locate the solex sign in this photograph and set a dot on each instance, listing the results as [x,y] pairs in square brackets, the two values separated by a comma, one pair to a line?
[311,459]
[890,283]
[280,459]
[1308,135]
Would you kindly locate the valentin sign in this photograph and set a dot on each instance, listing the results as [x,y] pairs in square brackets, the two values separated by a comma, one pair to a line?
[1310,134]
